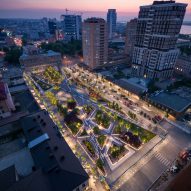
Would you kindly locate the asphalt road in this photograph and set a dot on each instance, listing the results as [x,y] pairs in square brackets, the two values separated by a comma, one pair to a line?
[161,161]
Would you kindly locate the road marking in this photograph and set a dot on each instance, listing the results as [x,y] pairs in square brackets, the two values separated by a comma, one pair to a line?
[162,159]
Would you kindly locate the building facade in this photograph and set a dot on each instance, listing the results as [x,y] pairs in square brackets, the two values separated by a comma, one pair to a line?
[95,42]
[72,26]
[183,66]
[111,22]
[6,102]
[52,26]
[32,58]
[158,27]
[130,37]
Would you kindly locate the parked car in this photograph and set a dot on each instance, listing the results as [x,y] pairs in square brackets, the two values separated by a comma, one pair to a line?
[174,169]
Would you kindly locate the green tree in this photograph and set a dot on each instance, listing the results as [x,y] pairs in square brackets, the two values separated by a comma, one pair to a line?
[12,56]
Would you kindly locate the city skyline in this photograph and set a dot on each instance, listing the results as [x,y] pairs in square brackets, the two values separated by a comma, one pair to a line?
[32,9]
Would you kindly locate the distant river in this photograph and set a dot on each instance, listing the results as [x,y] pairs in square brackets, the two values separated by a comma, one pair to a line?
[185,29]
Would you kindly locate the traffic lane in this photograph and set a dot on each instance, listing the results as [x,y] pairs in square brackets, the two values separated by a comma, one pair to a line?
[139,182]
[154,167]
[144,178]
[170,151]
[178,137]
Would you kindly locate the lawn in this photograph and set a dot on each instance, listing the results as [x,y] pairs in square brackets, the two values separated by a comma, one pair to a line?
[74,127]
[88,109]
[84,133]
[51,97]
[73,122]
[102,118]
[116,152]
[100,165]
[52,75]
[62,109]
[44,86]
[89,147]
[96,130]
[124,126]
[114,105]
[101,140]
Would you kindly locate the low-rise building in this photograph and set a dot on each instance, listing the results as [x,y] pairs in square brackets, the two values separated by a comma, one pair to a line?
[55,166]
[33,58]
[13,76]
[116,59]
[172,103]
[134,85]
[183,66]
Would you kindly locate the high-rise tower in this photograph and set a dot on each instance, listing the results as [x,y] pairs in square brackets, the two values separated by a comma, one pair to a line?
[95,42]
[72,25]
[158,27]
[111,22]
[130,39]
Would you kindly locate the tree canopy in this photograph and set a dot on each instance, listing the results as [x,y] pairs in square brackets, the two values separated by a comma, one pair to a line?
[13,55]
[71,48]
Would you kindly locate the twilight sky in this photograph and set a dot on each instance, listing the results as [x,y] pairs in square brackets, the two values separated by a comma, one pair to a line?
[50,8]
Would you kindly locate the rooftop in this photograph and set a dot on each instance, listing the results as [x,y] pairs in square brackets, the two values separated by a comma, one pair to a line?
[134,85]
[94,20]
[164,4]
[172,101]
[56,165]
[25,102]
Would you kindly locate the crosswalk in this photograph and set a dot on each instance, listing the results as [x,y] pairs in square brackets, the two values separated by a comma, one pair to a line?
[162,159]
